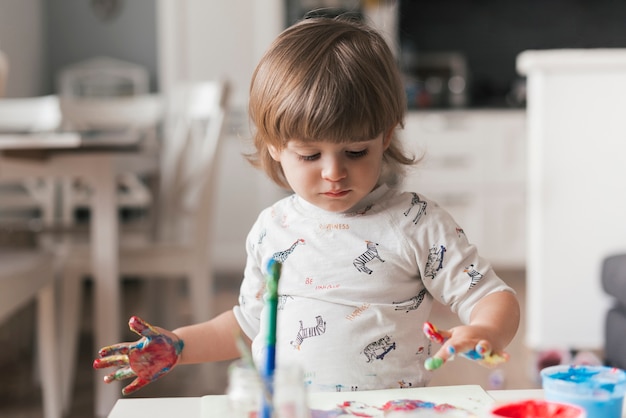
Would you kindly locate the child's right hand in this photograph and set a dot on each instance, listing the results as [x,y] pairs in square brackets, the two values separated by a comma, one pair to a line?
[481,353]
[147,359]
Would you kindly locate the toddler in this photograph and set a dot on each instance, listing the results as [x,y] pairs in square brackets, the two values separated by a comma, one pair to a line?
[362,260]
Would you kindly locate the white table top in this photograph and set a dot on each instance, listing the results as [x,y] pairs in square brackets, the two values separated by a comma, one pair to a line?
[157,408]
[44,140]
[192,407]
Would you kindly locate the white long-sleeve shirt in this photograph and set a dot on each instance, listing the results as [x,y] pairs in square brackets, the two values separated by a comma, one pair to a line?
[357,287]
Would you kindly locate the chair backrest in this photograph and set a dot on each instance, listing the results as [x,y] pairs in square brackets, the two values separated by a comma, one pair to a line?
[104,93]
[103,77]
[191,142]
[139,112]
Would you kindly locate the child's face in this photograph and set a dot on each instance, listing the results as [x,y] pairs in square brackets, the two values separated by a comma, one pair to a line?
[333,177]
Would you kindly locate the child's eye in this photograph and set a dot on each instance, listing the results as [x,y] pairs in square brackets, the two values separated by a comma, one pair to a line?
[357,154]
[308,157]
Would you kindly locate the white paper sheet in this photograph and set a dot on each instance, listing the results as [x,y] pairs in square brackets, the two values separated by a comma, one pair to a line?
[468,397]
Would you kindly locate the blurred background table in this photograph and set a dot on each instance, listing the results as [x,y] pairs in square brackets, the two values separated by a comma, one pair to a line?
[68,155]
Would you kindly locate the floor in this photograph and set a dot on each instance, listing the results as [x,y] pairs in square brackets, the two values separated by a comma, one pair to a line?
[20,396]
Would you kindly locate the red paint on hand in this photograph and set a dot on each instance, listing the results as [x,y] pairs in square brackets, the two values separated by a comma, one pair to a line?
[433,333]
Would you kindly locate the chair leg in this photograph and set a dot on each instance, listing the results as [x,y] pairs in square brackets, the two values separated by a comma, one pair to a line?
[202,295]
[48,353]
[71,306]
[201,288]
[159,303]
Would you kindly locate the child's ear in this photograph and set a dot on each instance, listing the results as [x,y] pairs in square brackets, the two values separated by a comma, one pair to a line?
[274,152]
[388,137]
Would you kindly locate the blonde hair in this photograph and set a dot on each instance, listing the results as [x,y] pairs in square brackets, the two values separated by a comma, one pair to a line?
[326,79]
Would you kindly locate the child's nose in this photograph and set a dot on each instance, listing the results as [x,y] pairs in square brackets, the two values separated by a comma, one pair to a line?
[333,169]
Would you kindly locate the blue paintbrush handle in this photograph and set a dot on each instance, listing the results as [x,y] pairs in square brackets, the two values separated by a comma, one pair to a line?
[273,274]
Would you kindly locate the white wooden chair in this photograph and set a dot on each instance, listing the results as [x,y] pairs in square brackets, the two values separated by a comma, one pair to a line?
[103,77]
[121,117]
[182,245]
[104,95]
[27,275]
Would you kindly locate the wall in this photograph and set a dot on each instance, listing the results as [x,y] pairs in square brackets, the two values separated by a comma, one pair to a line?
[75,33]
[42,36]
[22,27]
[201,39]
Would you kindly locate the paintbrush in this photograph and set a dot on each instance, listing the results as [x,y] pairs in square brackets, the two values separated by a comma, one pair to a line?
[271,303]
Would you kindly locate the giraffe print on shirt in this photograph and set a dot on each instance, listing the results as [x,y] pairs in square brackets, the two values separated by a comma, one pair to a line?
[281,256]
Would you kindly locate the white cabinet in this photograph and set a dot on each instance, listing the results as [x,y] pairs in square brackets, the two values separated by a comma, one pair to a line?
[576,181]
[474,166]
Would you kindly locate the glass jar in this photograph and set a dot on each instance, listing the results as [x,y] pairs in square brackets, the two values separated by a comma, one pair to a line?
[244,390]
[290,394]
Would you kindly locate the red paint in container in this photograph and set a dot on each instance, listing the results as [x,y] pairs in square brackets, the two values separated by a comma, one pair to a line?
[538,409]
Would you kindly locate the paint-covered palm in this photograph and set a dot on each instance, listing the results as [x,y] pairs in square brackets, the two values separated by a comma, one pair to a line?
[146,359]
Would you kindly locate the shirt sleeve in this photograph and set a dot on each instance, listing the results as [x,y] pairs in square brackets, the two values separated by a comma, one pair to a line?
[451,268]
[248,312]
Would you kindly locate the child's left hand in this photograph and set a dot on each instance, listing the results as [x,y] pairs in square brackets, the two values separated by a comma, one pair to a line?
[480,352]
[147,359]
